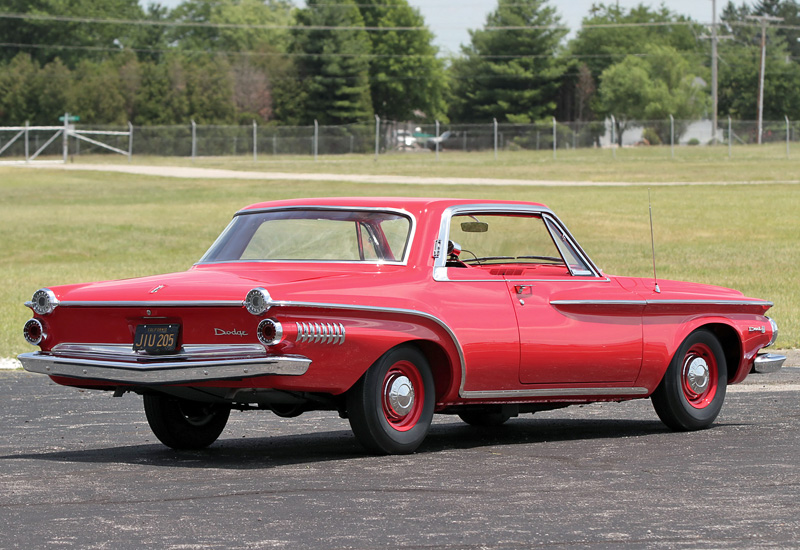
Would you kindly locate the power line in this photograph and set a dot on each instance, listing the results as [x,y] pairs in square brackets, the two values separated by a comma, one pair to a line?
[324,55]
[191,24]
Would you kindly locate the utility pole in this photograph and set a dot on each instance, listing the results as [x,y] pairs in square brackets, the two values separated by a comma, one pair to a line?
[763,20]
[715,38]
[714,73]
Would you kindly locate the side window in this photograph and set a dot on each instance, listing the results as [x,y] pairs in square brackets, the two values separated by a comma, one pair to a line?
[503,238]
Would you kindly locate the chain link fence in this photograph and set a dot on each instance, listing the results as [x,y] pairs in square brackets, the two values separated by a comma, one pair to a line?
[383,137]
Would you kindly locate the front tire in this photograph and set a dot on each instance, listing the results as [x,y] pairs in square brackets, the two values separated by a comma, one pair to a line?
[391,407]
[183,424]
[485,418]
[691,394]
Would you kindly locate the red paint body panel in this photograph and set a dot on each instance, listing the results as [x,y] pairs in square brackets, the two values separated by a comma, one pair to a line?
[492,333]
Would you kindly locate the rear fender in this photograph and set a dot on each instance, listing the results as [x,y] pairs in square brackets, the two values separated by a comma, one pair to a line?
[338,362]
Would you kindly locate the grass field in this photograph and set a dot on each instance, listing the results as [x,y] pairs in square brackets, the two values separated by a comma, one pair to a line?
[61,227]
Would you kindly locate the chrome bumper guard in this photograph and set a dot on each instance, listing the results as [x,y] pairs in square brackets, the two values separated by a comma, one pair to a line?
[768,362]
[194,363]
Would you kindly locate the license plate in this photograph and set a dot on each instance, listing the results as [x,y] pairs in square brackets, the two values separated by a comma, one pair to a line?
[156,339]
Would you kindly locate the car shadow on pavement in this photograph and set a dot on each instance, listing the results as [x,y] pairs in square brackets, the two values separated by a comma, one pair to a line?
[326,446]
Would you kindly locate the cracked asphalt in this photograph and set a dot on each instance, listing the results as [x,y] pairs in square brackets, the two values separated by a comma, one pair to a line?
[81,469]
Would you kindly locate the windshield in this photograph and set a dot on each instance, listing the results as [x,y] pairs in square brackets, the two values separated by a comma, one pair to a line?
[313,235]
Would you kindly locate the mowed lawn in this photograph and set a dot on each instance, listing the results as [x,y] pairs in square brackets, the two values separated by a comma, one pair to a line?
[60,227]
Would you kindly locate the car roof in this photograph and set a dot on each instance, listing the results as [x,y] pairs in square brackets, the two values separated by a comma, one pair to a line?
[403,203]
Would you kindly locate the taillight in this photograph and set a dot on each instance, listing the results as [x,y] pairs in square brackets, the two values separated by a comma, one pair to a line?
[270,332]
[33,331]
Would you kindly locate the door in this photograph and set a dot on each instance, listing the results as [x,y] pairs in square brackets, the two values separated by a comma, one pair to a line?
[577,331]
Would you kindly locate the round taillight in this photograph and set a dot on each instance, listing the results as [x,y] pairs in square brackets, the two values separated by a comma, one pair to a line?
[44,301]
[258,301]
[270,332]
[33,331]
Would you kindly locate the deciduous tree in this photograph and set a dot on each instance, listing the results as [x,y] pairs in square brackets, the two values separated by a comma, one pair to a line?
[650,88]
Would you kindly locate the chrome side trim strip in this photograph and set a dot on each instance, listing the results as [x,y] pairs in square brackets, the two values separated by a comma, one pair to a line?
[661,302]
[147,303]
[164,372]
[554,392]
[598,302]
[711,302]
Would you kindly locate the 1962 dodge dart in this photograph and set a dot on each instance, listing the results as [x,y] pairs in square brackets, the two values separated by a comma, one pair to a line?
[389,310]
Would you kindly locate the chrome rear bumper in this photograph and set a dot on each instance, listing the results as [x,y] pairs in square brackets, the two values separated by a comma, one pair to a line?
[116,363]
[768,362]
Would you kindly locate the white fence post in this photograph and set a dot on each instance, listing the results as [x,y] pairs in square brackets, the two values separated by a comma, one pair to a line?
[377,136]
[130,141]
[315,146]
[437,140]
[730,138]
[194,140]
[672,136]
[255,141]
[555,142]
[787,135]
[65,147]
[26,141]
[495,138]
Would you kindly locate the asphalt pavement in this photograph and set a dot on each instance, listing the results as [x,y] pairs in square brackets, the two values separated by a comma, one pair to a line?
[81,469]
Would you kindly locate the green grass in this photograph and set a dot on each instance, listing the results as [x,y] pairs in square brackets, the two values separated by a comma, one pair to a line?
[60,227]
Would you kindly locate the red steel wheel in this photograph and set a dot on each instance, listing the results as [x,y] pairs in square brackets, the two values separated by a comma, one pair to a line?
[403,396]
[391,407]
[699,376]
[691,394]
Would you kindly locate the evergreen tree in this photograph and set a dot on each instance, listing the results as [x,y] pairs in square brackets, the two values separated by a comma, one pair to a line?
[406,78]
[512,74]
[71,41]
[331,84]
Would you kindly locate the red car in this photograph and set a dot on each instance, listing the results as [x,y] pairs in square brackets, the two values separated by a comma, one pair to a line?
[388,310]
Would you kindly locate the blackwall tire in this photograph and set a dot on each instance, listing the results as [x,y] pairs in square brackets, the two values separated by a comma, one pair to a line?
[183,424]
[391,407]
[691,394]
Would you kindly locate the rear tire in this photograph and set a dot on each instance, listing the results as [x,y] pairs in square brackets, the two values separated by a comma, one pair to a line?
[691,394]
[391,407]
[183,424]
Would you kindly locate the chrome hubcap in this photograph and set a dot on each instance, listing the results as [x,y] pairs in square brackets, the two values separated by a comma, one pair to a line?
[697,375]
[401,395]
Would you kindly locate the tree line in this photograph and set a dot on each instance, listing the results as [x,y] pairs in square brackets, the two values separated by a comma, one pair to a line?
[343,61]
